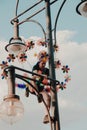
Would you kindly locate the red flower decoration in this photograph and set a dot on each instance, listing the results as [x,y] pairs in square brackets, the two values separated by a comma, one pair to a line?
[29,44]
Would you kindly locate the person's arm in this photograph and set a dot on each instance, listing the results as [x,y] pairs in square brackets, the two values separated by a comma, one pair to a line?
[45,81]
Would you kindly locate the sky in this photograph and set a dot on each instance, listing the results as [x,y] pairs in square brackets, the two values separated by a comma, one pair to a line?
[72,42]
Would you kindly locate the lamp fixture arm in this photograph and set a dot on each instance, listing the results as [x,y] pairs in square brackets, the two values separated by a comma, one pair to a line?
[17,16]
[56,21]
[17,3]
[34,21]
[23,78]
[30,72]
[12,21]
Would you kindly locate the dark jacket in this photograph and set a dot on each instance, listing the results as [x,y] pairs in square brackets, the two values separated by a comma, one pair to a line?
[45,71]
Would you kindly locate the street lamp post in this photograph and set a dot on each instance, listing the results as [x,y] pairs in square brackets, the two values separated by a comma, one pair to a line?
[16,45]
[54,101]
[49,39]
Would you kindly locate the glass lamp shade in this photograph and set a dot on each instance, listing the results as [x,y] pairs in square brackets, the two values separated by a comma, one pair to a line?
[11,110]
[82,8]
[15,46]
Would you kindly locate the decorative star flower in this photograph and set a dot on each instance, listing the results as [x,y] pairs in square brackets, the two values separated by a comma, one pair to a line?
[43,56]
[22,57]
[56,48]
[4,75]
[62,86]
[57,64]
[11,57]
[41,42]
[65,69]
[29,44]
[4,64]
[67,78]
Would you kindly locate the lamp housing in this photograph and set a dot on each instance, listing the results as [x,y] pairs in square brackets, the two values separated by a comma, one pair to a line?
[81,8]
[11,109]
[15,46]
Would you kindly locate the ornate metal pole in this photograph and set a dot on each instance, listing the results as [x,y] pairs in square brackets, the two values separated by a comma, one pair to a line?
[55,111]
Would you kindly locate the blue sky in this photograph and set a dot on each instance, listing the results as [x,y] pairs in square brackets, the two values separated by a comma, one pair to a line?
[72,41]
[68,19]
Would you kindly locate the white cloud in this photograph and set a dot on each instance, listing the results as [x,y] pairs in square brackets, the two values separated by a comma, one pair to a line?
[64,36]
[72,101]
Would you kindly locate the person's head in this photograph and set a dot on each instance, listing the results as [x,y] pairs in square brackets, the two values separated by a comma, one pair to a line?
[42,64]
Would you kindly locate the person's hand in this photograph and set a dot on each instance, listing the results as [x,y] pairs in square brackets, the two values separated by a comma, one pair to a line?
[45,81]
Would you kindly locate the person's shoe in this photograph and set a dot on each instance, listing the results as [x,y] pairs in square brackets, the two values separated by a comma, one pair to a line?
[39,98]
[27,92]
[46,119]
[52,119]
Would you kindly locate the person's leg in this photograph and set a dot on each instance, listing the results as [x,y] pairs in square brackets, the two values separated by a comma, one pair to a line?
[31,89]
[47,100]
